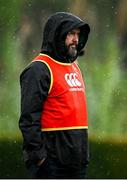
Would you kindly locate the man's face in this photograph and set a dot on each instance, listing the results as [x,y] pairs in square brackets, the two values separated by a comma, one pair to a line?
[71,42]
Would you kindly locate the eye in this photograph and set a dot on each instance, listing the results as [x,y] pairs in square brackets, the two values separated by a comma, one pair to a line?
[71,33]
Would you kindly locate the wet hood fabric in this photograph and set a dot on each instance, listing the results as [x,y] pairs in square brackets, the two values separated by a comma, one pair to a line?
[55,31]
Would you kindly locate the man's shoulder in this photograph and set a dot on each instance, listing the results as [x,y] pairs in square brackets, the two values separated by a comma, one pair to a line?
[35,68]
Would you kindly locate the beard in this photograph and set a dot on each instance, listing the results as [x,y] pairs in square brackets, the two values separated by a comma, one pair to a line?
[72,52]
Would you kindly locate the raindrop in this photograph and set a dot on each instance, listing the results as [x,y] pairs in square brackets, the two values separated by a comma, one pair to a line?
[107,25]
[15,141]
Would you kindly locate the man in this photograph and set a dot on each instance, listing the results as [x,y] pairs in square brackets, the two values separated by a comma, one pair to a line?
[53,103]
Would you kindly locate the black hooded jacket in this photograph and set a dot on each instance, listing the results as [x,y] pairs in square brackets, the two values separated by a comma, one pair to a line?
[69,147]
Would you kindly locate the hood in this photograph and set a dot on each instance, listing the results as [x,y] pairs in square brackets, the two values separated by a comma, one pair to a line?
[55,31]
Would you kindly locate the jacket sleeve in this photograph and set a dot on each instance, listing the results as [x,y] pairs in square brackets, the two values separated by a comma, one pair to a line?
[35,83]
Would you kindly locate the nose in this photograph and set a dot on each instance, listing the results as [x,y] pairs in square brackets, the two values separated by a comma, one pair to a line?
[76,38]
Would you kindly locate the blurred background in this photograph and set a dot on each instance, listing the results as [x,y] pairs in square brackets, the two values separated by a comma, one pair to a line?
[104,67]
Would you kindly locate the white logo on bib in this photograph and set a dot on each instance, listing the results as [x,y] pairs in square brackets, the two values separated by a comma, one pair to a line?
[72,80]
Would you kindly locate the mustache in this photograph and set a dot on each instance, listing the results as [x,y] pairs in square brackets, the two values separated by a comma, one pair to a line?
[73,45]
